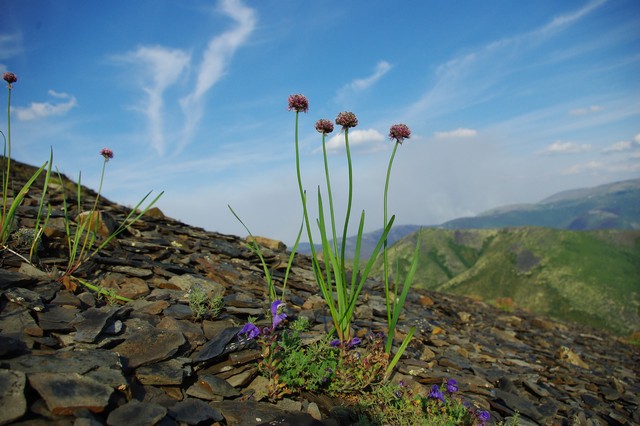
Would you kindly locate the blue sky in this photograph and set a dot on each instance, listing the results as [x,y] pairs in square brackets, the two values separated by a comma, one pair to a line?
[508,102]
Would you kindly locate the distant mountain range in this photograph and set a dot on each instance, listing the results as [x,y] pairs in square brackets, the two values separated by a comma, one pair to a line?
[610,206]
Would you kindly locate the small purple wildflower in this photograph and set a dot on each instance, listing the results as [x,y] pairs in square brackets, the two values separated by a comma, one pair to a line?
[10,78]
[399,132]
[298,103]
[334,343]
[452,386]
[324,126]
[483,416]
[106,153]
[276,318]
[436,393]
[353,342]
[250,330]
[347,120]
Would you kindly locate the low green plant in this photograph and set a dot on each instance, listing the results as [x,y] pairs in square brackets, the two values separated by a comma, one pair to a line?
[204,306]
[301,324]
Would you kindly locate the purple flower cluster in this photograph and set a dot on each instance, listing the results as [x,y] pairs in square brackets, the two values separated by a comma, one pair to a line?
[106,153]
[436,393]
[324,126]
[347,345]
[347,120]
[251,331]
[298,103]
[10,78]
[399,132]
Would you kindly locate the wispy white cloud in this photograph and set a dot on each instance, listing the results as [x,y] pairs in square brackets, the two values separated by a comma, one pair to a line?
[456,134]
[361,84]
[584,111]
[215,61]
[46,109]
[473,77]
[368,140]
[162,68]
[560,147]
[623,146]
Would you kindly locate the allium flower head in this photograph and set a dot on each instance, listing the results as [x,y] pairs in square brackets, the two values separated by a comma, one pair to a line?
[250,330]
[324,126]
[10,78]
[298,103]
[347,120]
[436,393]
[399,132]
[106,153]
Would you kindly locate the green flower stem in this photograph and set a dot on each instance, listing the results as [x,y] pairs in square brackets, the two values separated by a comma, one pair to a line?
[92,221]
[350,196]
[326,172]
[385,255]
[5,180]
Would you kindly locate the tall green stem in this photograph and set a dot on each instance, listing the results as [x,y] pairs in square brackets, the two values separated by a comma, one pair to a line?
[350,197]
[385,255]
[5,180]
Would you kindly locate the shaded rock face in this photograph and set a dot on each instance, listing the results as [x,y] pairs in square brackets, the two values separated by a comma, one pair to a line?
[69,356]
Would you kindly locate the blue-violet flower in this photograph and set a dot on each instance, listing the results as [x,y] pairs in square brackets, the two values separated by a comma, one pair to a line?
[276,318]
[250,330]
[436,393]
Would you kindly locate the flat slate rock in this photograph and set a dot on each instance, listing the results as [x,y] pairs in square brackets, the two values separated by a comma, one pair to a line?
[137,413]
[66,393]
[150,346]
[12,396]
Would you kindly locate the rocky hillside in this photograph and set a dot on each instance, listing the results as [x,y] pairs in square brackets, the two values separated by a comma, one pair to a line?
[68,357]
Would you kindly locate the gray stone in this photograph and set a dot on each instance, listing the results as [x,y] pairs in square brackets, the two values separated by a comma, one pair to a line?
[171,372]
[249,413]
[57,318]
[211,387]
[65,393]
[194,411]
[91,322]
[218,346]
[24,297]
[12,399]
[149,346]
[137,413]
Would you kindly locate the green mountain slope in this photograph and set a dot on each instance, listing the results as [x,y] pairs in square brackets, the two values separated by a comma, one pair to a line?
[589,277]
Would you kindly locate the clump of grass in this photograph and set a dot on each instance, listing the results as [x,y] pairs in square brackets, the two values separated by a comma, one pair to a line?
[204,306]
